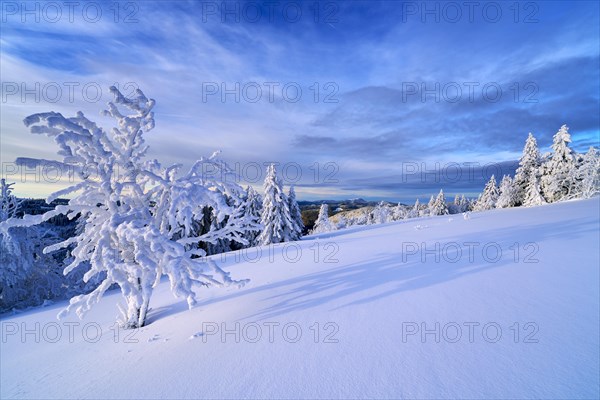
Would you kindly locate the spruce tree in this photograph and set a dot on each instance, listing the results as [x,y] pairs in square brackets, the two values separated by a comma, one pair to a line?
[295,213]
[507,197]
[276,220]
[533,195]
[558,179]
[528,164]
[439,206]
[252,210]
[588,175]
[322,224]
[489,197]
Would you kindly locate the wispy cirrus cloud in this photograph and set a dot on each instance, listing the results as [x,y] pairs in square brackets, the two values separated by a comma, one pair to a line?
[357,64]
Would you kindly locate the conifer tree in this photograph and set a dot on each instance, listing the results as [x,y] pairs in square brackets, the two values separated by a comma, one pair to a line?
[533,195]
[439,206]
[507,197]
[489,197]
[559,172]
[276,220]
[322,224]
[295,213]
[528,164]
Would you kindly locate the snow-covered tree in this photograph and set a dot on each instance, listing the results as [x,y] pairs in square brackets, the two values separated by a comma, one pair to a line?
[342,222]
[507,197]
[398,212]
[428,208]
[252,210]
[560,171]
[439,206]
[295,213]
[322,224]
[414,211]
[533,195]
[489,197]
[380,214]
[460,205]
[278,225]
[9,204]
[528,164]
[138,218]
[588,175]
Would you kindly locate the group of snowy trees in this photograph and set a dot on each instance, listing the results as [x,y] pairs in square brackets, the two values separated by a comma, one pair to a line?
[539,179]
[137,221]
[384,212]
[560,175]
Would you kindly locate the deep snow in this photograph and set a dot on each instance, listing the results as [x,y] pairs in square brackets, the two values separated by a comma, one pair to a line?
[357,295]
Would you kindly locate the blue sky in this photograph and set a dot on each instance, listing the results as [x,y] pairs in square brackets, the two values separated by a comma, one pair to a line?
[412,96]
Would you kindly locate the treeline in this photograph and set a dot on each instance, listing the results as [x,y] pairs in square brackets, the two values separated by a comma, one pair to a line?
[559,175]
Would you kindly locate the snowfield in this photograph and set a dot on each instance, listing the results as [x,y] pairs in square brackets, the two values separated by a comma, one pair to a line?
[502,305]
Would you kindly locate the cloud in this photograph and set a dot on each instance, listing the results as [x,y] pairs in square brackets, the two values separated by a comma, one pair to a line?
[361,55]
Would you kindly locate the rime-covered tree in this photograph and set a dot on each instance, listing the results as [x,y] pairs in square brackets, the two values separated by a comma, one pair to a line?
[252,210]
[380,214]
[278,225]
[528,164]
[9,204]
[398,212]
[414,211]
[439,206]
[322,224]
[460,204]
[489,196]
[588,175]
[507,196]
[560,171]
[138,218]
[429,207]
[342,222]
[533,195]
[295,213]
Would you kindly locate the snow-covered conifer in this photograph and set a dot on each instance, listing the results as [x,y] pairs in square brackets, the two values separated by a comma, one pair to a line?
[528,164]
[533,195]
[252,210]
[588,175]
[398,212]
[380,214]
[460,205]
[439,206]
[342,222]
[278,225]
[489,197]
[322,224]
[414,211]
[429,207]
[507,197]
[559,172]
[295,213]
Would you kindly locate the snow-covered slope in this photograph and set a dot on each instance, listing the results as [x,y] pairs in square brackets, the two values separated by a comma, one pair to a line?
[527,318]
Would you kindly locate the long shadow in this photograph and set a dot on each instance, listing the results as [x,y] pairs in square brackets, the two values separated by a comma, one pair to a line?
[331,286]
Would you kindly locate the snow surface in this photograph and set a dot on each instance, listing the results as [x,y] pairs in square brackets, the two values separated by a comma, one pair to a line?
[373,295]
